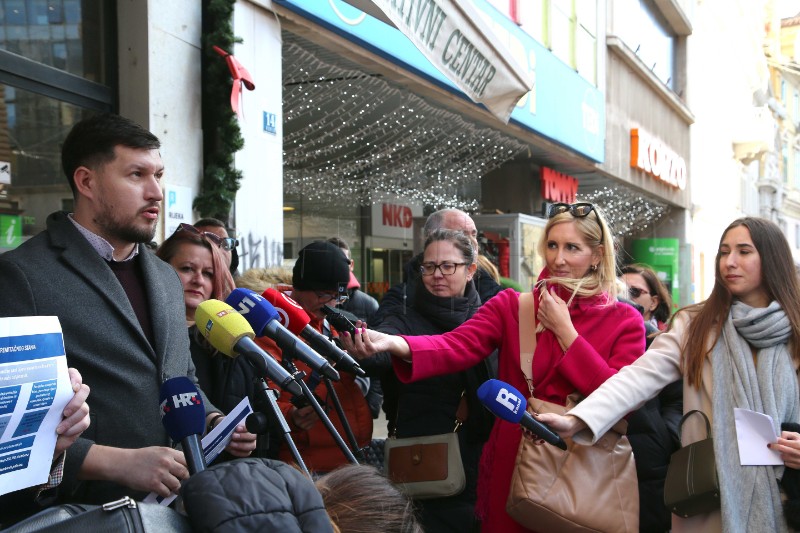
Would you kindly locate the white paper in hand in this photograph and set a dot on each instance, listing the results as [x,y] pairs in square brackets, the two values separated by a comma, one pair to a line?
[753,432]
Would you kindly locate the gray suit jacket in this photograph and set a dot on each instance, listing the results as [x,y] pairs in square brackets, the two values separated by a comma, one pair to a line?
[57,272]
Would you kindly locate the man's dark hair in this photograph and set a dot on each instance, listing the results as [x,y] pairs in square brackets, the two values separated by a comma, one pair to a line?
[339,242]
[91,142]
[210,222]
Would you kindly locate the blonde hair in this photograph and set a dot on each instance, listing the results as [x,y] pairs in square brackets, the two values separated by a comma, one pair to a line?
[596,233]
[359,499]
[261,279]
[487,266]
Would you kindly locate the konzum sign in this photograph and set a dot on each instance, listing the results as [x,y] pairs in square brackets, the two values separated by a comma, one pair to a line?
[648,153]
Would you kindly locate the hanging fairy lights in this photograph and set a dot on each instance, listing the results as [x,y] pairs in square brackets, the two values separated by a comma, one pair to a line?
[627,212]
[353,139]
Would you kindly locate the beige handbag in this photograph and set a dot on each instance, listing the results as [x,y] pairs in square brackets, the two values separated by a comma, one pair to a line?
[585,488]
[429,466]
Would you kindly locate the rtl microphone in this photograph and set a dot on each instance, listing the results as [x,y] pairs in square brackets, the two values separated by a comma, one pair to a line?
[229,332]
[264,319]
[184,418]
[296,320]
[507,403]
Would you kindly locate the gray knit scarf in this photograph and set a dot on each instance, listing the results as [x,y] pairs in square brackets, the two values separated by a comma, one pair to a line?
[750,495]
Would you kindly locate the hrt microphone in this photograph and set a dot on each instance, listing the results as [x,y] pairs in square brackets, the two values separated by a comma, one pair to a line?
[229,332]
[507,403]
[296,320]
[264,319]
[184,418]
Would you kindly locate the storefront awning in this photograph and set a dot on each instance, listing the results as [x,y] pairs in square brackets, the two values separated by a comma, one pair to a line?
[453,37]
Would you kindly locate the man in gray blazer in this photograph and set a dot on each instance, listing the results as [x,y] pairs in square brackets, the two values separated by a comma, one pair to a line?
[121,309]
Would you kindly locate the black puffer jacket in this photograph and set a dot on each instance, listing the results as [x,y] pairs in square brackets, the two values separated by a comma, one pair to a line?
[428,407]
[254,495]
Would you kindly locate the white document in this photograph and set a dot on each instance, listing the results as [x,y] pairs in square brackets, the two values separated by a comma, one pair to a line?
[34,389]
[753,432]
[214,442]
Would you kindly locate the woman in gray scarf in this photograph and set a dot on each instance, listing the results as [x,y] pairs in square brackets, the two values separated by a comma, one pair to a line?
[740,348]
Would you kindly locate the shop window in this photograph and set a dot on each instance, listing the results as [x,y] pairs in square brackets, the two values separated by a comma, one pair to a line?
[645,33]
[39,104]
[31,145]
[54,32]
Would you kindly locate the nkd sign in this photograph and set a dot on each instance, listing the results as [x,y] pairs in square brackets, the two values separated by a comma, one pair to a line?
[394,218]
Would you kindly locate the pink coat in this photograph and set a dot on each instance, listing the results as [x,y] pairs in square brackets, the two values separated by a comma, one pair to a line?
[610,336]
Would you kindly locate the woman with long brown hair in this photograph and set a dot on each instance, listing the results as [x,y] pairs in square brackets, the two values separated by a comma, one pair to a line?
[738,349]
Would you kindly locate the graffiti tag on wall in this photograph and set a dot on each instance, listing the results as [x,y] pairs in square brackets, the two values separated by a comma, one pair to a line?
[257,251]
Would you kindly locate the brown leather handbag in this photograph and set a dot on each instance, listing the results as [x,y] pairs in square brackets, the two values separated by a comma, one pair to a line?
[582,489]
[428,466]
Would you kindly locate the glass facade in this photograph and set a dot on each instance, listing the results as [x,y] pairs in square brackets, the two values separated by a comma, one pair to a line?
[55,69]
[64,34]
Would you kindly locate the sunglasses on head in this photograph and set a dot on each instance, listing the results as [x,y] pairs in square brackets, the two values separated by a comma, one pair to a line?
[635,292]
[226,243]
[578,210]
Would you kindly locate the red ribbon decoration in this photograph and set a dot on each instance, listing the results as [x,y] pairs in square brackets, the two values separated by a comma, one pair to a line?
[240,77]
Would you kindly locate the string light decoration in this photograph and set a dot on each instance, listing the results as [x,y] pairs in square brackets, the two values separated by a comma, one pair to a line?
[627,212]
[351,139]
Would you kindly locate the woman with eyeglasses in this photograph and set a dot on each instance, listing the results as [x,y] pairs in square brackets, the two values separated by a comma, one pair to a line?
[645,289]
[197,258]
[583,337]
[738,349]
[444,299]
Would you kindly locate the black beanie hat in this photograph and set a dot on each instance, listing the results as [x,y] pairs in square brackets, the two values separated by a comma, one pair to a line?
[321,266]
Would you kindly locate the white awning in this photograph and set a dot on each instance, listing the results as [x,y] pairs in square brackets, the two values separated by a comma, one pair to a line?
[453,37]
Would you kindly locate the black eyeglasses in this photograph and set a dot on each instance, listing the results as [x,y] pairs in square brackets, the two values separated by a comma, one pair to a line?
[447,269]
[325,297]
[579,210]
[226,243]
[635,292]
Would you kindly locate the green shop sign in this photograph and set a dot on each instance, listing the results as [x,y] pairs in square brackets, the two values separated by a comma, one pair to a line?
[10,231]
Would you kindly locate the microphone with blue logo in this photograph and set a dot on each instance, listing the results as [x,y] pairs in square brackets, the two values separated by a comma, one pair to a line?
[507,403]
[264,319]
[228,331]
[184,418]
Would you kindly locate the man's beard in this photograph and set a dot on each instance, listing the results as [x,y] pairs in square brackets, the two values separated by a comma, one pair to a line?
[118,230]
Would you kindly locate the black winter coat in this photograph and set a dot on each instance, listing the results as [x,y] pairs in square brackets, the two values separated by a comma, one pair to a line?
[428,407]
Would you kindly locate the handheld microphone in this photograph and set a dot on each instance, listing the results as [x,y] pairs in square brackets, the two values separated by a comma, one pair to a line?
[339,320]
[264,319]
[184,418]
[296,320]
[506,402]
[229,332]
